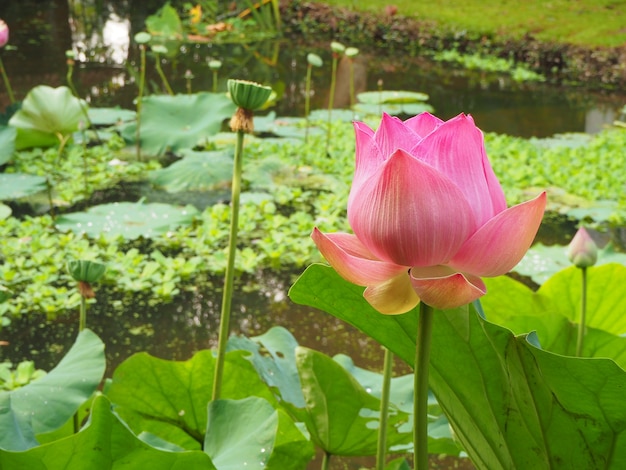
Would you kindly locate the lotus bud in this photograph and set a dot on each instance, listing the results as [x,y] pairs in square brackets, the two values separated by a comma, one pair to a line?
[337,47]
[249,97]
[582,250]
[4,34]
[314,60]
[215,64]
[351,52]
[189,75]
[142,37]
[159,49]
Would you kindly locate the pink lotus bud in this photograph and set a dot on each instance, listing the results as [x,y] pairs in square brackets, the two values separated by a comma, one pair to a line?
[4,34]
[582,251]
[429,216]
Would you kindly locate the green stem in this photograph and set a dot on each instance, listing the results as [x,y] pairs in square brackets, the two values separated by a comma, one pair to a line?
[583,313]
[381,451]
[351,84]
[162,75]
[326,461]
[214,81]
[420,376]
[230,268]
[307,100]
[7,84]
[83,108]
[82,320]
[331,98]
[142,81]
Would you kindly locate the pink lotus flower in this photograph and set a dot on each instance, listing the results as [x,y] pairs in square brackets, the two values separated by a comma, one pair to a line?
[582,250]
[429,216]
[4,34]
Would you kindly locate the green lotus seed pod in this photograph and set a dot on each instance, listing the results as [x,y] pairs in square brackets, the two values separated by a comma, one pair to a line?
[248,95]
[70,54]
[159,49]
[352,52]
[314,60]
[142,37]
[337,47]
[85,271]
[215,64]
[5,294]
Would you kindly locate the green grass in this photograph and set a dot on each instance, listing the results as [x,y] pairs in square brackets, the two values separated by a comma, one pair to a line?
[580,22]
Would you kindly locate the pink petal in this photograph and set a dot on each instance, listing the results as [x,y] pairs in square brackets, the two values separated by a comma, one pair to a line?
[423,124]
[394,297]
[368,156]
[456,148]
[410,214]
[352,261]
[449,292]
[392,135]
[501,243]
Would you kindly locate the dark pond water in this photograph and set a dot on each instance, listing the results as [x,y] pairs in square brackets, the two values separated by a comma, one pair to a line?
[42,32]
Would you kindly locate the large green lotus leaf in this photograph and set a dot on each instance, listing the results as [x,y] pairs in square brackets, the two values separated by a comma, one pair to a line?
[180,121]
[196,171]
[110,116]
[512,304]
[391,97]
[127,219]
[169,398]
[340,415]
[561,295]
[48,402]
[45,114]
[5,211]
[7,143]
[251,433]
[440,440]
[510,404]
[105,442]
[273,355]
[165,23]
[17,185]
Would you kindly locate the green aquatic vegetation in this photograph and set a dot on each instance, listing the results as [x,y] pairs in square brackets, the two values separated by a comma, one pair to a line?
[487,63]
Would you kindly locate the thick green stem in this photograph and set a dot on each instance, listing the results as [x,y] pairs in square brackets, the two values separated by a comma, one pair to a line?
[381,450]
[230,268]
[583,313]
[352,99]
[7,84]
[214,81]
[142,81]
[420,376]
[166,84]
[326,461]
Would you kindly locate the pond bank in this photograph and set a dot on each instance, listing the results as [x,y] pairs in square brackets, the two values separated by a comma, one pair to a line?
[560,63]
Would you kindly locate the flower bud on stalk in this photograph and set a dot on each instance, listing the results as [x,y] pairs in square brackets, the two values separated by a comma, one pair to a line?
[582,250]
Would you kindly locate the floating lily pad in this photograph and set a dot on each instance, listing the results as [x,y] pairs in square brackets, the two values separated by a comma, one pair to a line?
[570,139]
[197,171]
[180,121]
[391,97]
[127,219]
[5,211]
[394,109]
[17,185]
[47,112]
